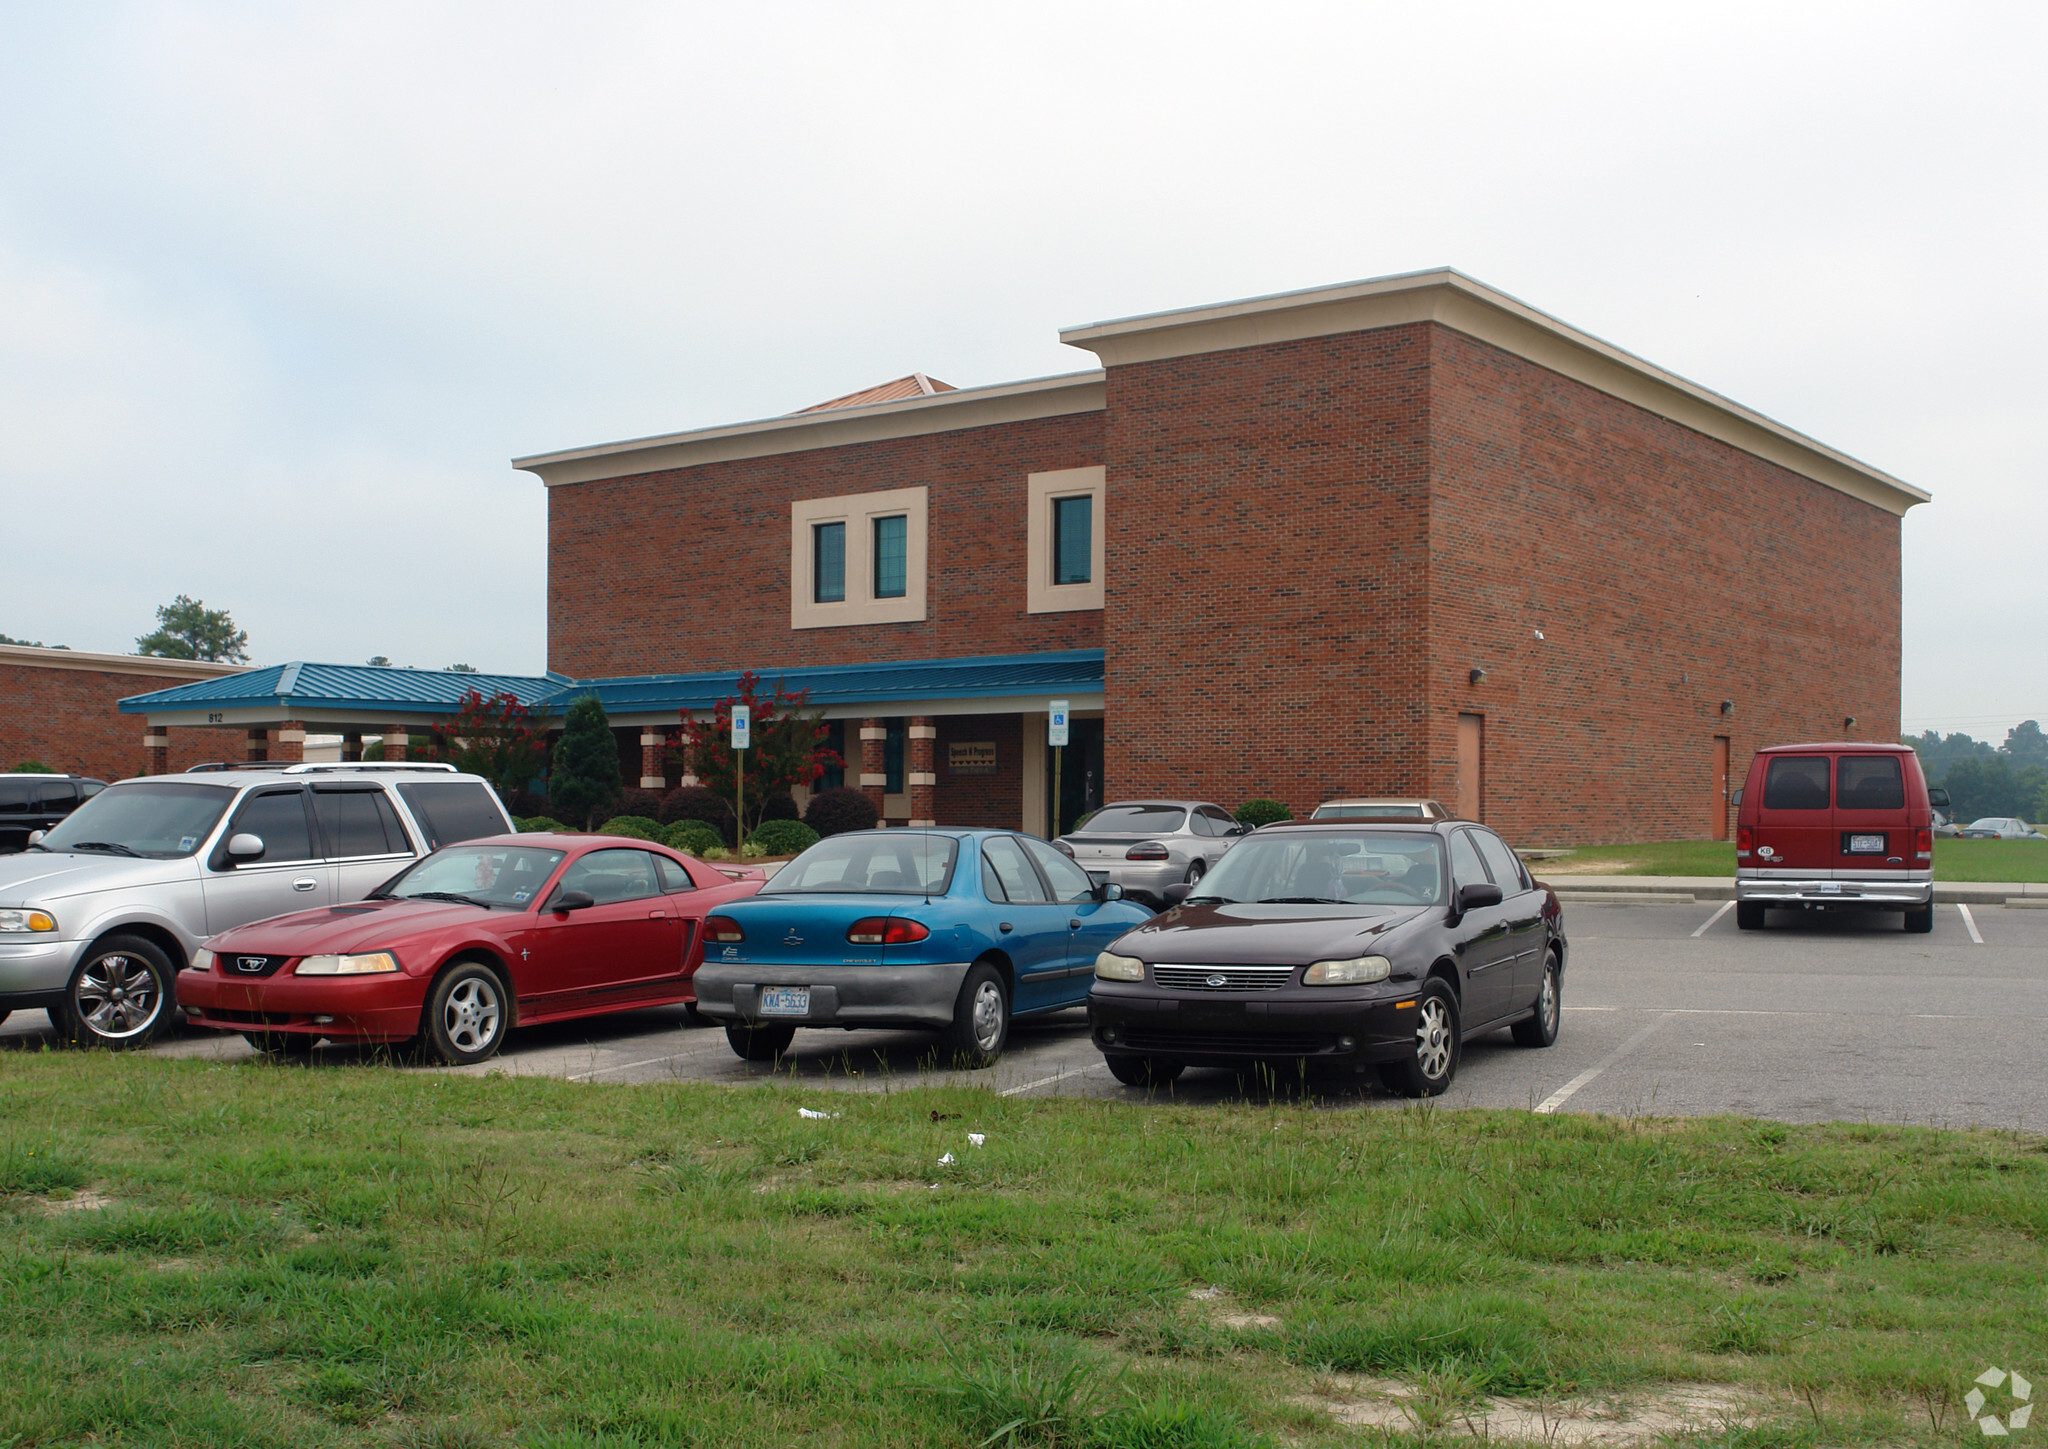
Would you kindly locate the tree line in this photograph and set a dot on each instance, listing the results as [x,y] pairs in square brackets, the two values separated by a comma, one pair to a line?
[1985,779]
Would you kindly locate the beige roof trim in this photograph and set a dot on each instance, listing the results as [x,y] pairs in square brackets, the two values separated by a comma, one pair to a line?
[967,407]
[1456,301]
[144,664]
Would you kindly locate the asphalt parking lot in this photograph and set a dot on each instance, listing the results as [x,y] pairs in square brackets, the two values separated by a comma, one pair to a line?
[1669,1010]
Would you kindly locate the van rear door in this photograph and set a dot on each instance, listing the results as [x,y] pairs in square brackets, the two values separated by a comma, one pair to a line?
[1795,825]
[1873,828]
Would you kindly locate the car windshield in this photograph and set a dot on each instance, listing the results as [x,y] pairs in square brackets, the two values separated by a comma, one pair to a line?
[1325,868]
[1134,820]
[160,820]
[485,875]
[898,863]
[1368,812]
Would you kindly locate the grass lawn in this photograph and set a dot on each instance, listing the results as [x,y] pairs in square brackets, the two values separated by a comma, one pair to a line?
[256,1255]
[1995,860]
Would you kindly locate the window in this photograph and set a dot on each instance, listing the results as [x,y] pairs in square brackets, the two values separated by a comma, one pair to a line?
[278,819]
[1797,782]
[893,862]
[358,821]
[1006,875]
[673,876]
[1465,867]
[453,810]
[828,571]
[58,795]
[1869,782]
[1500,861]
[1073,557]
[610,876]
[1064,527]
[835,741]
[161,821]
[892,556]
[857,559]
[893,736]
[496,875]
[1136,820]
[14,797]
[1070,883]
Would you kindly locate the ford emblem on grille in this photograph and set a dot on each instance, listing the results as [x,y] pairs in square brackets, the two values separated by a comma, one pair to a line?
[250,964]
[1217,980]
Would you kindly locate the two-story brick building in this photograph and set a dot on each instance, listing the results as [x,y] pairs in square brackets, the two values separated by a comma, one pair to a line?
[1405,535]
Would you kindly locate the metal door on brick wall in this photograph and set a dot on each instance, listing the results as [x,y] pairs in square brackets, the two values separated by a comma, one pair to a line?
[1471,766]
[1717,807]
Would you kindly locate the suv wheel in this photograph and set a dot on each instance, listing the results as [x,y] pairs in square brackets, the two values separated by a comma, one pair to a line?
[119,996]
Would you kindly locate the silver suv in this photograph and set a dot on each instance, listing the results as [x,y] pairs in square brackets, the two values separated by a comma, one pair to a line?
[102,912]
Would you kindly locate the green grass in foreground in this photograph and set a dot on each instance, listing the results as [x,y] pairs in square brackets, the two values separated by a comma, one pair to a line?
[1957,860]
[391,1257]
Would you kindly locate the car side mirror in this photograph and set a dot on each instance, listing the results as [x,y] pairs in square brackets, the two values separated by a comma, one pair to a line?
[1472,897]
[1109,890]
[1239,830]
[1174,894]
[572,901]
[245,847]
[1938,798]
[35,837]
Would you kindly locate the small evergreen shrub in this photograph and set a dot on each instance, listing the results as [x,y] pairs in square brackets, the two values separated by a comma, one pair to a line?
[783,837]
[693,837]
[583,775]
[751,851]
[834,812]
[694,802]
[1261,811]
[640,802]
[779,806]
[637,827]
[534,824]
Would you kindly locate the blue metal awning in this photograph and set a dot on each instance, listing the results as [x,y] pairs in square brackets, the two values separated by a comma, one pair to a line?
[371,693]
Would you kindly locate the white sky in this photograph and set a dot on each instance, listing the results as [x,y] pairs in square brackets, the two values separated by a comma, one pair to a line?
[283,287]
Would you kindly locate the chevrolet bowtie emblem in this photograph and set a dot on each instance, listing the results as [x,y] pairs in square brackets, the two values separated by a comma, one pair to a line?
[1215,980]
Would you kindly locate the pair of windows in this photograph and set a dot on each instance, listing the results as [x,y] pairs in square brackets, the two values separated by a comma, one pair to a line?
[354,822]
[611,876]
[889,556]
[1007,874]
[1502,865]
[1862,782]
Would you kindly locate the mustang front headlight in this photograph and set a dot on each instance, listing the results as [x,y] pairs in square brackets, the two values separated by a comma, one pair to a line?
[1348,972]
[369,965]
[202,960]
[1112,967]
[12,921]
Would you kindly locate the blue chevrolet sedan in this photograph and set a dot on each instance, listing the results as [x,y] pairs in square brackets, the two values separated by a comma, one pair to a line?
[955,931]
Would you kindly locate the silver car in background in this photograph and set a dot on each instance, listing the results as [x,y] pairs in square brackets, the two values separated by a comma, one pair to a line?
[1147,845]
[101,912]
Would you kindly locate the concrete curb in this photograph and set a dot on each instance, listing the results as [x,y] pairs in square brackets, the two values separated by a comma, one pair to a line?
[1677,889]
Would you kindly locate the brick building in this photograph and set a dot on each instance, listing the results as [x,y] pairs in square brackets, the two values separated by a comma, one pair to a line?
[60,708]
[1402,536]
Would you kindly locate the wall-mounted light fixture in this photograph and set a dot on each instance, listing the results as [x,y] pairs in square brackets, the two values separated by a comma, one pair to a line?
[1848,721]
[1727,706]
[1477,674]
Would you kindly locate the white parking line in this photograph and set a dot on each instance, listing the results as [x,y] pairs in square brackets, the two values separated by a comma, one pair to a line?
[1047,1081]
[626,1067]
[1563,1094]
[1726,907]
[1970,921]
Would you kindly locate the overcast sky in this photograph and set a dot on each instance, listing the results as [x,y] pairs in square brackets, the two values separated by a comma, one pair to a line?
[283,287]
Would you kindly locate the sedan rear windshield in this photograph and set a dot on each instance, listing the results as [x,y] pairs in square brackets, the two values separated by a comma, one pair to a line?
[1369,812]
[160,821]
[1362,868]
[899,863]
[1134,820]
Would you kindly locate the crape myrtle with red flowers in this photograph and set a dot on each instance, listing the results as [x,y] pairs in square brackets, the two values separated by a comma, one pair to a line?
[498,738]
[786,750]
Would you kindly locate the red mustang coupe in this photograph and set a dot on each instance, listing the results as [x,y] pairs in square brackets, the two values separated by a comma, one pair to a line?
[467,944]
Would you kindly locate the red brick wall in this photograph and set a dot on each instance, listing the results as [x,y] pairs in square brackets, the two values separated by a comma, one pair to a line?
[1267,570]
[992,800]
[1667,572]
[688,570]
[67,719]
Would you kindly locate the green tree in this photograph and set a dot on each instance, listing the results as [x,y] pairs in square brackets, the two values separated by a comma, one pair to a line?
[187,629]
[2025,744]
[30,643]
[786,750]
[378,661]
[583,779]
[462,669]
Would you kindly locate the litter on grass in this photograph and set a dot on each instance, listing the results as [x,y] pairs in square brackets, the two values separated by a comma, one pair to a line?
[977,1138]
[947,1160]
[815,1116]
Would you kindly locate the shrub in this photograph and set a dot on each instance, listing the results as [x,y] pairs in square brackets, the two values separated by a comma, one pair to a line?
[779,806]
[583,778]
[783,837]
[751,851]
[640,802]
[834,812]
[1261,811]
[693,837]
[637,827]
[694,802]
[717,852]
[535,824]
[33,767]
[526,802]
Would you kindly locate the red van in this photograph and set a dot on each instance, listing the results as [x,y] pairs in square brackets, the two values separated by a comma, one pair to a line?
[1835,827]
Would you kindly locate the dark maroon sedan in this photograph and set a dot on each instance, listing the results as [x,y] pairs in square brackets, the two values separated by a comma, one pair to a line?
[467,944]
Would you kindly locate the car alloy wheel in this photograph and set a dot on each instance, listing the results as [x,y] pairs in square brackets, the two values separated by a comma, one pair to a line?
[1540,1029]
[1433,1037]
[988,1016]
[119,997]
[466,1014]
[470,1016]
[1438,1032]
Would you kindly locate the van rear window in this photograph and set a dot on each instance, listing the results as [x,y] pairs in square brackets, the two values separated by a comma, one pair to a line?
[1869,782]
[1797,782]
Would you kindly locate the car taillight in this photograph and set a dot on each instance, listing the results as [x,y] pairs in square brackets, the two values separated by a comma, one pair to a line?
[885,931]
[1744,840]
[1063,848]
[1923,842]
[1146,850]
[723,928]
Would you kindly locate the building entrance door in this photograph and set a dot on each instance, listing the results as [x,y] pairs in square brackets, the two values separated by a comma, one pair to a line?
[1717,808]
[1471,766]
[1080,775]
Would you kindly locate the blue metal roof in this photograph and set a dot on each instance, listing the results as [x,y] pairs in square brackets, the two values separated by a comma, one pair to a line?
[377,692]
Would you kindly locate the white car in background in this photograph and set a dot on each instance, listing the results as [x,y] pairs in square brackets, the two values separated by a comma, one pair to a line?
[1147,845]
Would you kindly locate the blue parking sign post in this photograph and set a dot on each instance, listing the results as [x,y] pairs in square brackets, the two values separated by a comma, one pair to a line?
[742,737]
[1056,736]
